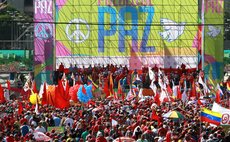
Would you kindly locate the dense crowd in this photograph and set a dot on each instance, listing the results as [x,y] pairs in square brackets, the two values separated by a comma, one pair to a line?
[100,74]
[135,119]
[106,119]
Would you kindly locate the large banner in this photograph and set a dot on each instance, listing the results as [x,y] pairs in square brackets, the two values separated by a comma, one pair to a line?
[128,32]
[225,120]
[213,38]
[43,40]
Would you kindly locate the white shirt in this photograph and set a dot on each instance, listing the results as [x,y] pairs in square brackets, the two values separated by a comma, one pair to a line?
[40,129]
[6,94]
[69,121]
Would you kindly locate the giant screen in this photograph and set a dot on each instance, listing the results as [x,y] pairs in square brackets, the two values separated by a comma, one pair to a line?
[130,32]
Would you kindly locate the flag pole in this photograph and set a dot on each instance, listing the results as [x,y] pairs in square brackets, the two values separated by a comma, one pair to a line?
[202,45]
[54,35]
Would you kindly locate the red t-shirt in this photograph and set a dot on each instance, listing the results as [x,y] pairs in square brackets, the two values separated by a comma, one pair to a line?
[9,139]
[168,136]
[61,68]
[162,132]
[101,139]
[23,120]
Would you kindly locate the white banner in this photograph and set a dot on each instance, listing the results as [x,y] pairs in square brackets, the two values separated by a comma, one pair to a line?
[39,136]
[224,111]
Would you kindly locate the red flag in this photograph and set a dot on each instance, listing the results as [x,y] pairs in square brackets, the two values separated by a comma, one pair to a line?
[115,96]
[119,88]
[27,106]
[60,101]
[218,96]
[67,90]
[2,98]
[50,94]
[44,95]
[73,93]
[157,99]
[169,89]
[60,87]
[199,102]
[179,95]
[91,102]
[106,88]
[20,108]
[154,116]
[8,84]
[111,85]
[34,87]
[193,91]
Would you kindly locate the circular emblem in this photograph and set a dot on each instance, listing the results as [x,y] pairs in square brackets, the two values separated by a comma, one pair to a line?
[43,31]
[77,30]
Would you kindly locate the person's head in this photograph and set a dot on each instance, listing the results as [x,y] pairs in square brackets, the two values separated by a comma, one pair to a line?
[142,137]
[156,139]
[99,134]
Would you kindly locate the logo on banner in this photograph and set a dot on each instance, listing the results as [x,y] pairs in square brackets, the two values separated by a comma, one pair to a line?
[77,30]
[43,31]
[213,31]
[172,30]
[225,118]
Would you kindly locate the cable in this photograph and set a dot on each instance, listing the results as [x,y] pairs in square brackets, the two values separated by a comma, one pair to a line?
[110,24]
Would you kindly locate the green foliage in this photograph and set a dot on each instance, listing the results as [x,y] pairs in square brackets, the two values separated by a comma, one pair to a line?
[5,16]
[226,61]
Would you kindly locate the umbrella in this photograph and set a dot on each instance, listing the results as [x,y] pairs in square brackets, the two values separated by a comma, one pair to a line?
[173,114]
[124,139]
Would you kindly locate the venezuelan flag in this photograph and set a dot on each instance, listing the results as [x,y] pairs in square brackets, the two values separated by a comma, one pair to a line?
[90,81]
[210,116]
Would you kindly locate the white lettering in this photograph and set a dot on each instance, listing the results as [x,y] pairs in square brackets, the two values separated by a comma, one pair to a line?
[43,6]
[50,7]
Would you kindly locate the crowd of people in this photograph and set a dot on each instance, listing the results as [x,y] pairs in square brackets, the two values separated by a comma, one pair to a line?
[106,119]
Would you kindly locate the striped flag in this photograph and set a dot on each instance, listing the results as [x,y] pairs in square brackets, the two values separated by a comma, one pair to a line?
[210,116]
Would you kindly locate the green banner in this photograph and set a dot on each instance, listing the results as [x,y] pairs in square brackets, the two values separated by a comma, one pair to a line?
[57,129]
[214,38]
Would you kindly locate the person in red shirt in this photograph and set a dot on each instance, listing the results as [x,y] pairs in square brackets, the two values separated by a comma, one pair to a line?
[162,131]
[183,66]
[10,138]
[61,68]
[107,130]
[169,134]
[155,68]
